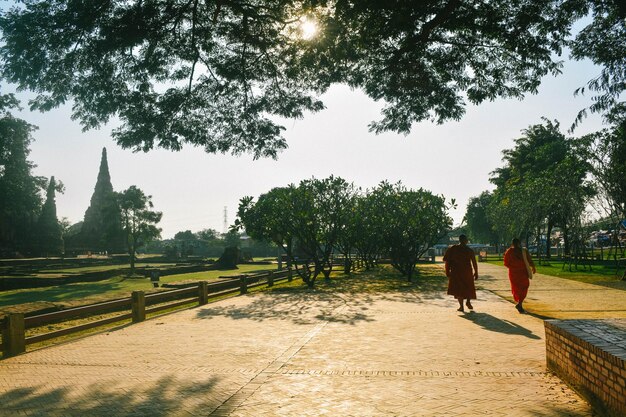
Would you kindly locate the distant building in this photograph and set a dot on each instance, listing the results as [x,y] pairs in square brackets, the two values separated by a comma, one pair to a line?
[101,230]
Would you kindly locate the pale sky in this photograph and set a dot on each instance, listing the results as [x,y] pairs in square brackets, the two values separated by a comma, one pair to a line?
[192,188]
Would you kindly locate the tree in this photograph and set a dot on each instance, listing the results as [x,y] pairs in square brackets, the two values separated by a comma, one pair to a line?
[479,226]
[138,220]
[368,229]
[412,221]
[48,229]
[606,153]
[232,239]
[347,240]
[320,213]
[187,242]
[267,220]
[306,220]
[541,185]
[602,41]
[207,235]
[215,74]
[20,201]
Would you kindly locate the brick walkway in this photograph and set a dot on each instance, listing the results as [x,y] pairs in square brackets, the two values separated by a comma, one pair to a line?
[558,298]
[302,354]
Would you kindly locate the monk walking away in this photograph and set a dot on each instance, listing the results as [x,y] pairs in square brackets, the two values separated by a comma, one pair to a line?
[462,271]
[521,270]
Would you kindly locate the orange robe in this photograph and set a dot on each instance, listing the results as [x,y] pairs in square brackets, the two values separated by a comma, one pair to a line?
[518,274]
[459,260]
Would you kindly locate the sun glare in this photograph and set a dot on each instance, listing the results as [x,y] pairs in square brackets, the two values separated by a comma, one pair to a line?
[308,29]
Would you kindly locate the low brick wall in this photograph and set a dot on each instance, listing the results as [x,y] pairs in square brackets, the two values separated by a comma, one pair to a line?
[590,356]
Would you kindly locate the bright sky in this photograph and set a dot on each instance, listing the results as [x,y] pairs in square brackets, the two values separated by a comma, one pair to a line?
[192,188]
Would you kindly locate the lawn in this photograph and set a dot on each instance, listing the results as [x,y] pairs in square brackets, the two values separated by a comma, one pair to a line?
[81,293]
[598,275]
[66,269]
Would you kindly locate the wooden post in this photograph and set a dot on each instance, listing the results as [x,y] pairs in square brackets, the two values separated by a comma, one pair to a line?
[289,274]
[270,279]
[203,293]
[243,284]
[13,336]
[139,306]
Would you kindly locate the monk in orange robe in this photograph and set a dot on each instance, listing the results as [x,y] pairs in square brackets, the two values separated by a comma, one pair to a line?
[518,272]
[459,260]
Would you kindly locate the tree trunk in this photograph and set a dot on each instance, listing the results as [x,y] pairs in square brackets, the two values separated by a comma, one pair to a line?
[549,241]
[347,264]
[132,259]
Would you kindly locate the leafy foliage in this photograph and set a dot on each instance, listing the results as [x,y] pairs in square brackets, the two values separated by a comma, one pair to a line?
[603,41]
[20,200]
[216,74]
[542,184]
[411,221]
[480,228]
[318,217]
[138,220]
[605,152]
[305,221]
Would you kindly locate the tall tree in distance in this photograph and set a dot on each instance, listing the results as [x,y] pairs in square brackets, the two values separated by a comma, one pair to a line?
[479,226]
[138,219]
[48,232]
[542,185]
[20,200]
[606,153]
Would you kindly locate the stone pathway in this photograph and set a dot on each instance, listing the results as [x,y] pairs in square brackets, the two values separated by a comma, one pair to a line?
[400,353]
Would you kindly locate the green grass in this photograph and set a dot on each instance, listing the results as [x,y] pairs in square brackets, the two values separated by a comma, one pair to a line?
[598,275]
[81,293]
[86,269]
[379,280]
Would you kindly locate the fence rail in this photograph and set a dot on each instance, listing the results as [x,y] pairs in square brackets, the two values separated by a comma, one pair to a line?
[14,325]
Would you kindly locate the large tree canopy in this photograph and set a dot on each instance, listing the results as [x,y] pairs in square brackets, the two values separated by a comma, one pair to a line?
[217,73]
[541,185]
[20,199]
[604,42]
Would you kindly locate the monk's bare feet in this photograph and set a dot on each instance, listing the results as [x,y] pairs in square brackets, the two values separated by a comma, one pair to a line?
[520,308]
[460,309]
[469,305]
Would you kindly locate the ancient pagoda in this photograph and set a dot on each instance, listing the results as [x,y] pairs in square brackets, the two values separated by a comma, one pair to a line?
[101,230]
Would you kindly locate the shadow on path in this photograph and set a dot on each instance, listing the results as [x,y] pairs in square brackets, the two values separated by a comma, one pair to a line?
[160,398]
[300,308]
[494,324]
[344,299]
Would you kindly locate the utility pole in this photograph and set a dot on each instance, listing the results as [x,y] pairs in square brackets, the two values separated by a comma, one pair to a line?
[225,219]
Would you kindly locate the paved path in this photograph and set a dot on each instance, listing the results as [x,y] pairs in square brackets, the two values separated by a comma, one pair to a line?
[552,297]
[394,353]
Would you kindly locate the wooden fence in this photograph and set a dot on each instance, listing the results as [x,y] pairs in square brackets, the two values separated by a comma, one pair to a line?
[135,307]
